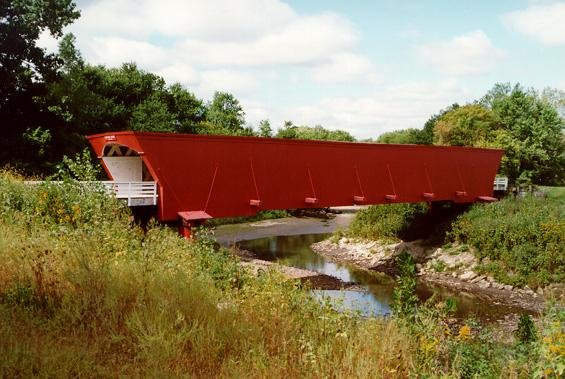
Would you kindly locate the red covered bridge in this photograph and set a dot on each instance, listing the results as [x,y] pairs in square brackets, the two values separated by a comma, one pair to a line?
[198,177]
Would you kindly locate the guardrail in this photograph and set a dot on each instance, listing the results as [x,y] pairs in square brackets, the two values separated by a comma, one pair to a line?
[136,193]
[500,183]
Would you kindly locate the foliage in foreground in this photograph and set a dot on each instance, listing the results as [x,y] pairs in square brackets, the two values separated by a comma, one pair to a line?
[520,241]
[83,292]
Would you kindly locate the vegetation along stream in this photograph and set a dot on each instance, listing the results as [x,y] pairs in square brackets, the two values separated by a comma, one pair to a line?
[288,241]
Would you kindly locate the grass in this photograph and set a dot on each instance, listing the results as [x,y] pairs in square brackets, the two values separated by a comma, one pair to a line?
[520,241]
[85,293]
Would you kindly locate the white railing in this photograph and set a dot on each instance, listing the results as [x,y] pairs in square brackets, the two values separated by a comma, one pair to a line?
[136,193]
[500,183]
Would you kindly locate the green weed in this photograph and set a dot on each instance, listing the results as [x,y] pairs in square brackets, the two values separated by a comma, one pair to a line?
[519,240]
[386,221]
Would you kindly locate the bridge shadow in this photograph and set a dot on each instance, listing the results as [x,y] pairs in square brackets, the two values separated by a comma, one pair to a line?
[433,226]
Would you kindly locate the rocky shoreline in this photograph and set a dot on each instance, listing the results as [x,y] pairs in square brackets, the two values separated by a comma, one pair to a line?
[452,268]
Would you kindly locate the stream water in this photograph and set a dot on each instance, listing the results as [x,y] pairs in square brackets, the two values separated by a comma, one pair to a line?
[288,241]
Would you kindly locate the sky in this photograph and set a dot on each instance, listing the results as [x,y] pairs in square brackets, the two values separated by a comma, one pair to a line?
[366,67]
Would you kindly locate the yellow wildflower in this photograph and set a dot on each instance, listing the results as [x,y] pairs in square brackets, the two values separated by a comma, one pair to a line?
[464,333]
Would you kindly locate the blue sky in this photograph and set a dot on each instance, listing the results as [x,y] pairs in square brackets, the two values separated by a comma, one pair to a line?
[363,66]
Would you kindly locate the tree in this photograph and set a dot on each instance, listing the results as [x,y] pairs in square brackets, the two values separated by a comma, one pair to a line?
[531,134]
[403,136]
[152,115]
[24,70]
[289,130]
[188,110]
[469,125]
[339,135]
[21,60]
[555,98]
[265,129]
[225,112]
[427,134]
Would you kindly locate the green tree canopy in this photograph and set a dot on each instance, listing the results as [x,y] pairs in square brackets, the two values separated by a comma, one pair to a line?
[265,129]
[24,69]
[469,125]
[403,136]
[21,23]
[225,112]
[291,131]
[531,134]
[427,132]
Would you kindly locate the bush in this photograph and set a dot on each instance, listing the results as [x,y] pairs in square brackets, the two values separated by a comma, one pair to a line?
[523,239]
[526,331]
[404,295]
[385,221]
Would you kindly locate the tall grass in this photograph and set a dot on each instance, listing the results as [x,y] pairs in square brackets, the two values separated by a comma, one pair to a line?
[85,293]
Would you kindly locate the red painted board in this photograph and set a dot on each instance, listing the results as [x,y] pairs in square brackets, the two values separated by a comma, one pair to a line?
[237,176]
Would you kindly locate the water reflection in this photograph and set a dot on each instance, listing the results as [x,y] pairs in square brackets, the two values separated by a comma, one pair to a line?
[295,251]
[378,288]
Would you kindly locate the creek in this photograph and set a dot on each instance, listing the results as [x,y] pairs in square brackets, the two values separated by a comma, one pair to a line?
[288,241]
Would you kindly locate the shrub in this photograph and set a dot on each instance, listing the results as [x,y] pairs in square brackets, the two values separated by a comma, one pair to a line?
[83,292]
[526,331]
[522,238]
[404,296]
[385,221]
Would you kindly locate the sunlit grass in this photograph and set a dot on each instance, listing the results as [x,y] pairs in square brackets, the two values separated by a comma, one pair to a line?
[85,293]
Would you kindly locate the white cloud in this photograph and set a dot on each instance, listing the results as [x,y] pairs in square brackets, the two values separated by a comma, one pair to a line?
[115,51]
[471,53]
[393,107]
[545,22]
[222,43]
[208,20]
[306,40]
[345,68]
[179,72]
[226,81]
[47,41]
[221,32]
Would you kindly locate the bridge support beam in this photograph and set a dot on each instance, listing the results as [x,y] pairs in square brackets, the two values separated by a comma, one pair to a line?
[189,220]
